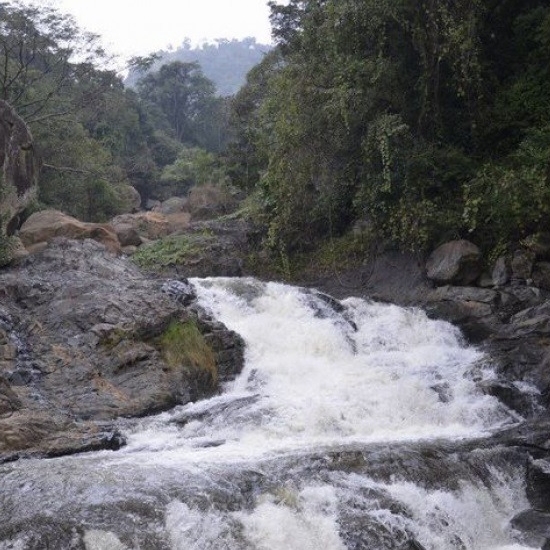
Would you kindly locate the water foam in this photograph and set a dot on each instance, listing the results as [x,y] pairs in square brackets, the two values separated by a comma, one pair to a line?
[321,373]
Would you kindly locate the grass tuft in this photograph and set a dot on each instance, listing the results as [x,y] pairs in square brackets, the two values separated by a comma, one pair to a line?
[183,344]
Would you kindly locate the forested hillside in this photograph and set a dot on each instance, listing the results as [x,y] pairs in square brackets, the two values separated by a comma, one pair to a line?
[423,120]
[224,62]
[95,138]
[412,121]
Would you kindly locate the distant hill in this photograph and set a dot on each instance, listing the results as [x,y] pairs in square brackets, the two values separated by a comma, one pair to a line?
[225,62]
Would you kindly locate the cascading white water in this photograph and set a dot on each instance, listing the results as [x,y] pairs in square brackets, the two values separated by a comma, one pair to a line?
[269,464]
[368,372]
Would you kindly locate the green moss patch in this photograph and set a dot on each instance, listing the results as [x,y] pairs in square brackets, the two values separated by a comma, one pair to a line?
[166,252]
[183,344]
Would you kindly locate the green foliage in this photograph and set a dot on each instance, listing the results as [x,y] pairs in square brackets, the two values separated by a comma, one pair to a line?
[184,101]
[193,166]
[37,45]
[167,252]
[507,201]
[90,133]
[247,152]
[334,256]
[87,192]
[182,344]
[427,119]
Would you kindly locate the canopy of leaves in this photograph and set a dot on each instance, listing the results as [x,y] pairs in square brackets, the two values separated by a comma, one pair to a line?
[428,119]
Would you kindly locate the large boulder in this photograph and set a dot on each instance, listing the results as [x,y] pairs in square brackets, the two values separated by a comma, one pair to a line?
[209,201]
[502,271]
[472,308]
[19,164]
[126,232]
[538,484]
[131,199]
[148,226]
[93,337]
[522,264]
[171,205]
[44,226]
[455,262]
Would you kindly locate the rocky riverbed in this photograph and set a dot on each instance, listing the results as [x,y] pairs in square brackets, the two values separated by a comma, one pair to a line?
[83,341]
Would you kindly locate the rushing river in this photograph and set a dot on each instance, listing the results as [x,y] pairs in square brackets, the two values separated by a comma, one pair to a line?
[343,431]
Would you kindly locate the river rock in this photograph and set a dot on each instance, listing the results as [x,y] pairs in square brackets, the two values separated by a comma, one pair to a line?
[502,271]
[148,225]
[89,327]
[126,233]
[171,205]
[150,204]
[512,396]
[472,308]
[522,264]
[43,226]
[541,275]
[210,201]
[538,484]
[43,434]
[531,321]
[455,262]
[534,526]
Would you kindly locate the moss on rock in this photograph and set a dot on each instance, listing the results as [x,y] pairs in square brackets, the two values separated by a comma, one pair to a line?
[183,344]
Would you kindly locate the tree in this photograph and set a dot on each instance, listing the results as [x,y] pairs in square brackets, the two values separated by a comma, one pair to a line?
[182,94]
[38,52]
[384,111]
[247,151]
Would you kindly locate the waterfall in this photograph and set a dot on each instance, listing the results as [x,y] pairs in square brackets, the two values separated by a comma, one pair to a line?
[346,429]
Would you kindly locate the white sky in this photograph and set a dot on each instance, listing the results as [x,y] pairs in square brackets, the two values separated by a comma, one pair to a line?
[139,27]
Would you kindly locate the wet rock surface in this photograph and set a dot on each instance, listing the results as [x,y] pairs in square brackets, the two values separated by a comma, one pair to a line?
[79,348]
[81,345]
[511,321]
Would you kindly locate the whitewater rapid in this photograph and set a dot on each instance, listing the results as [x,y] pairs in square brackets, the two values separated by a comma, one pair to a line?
[334,435]
[323,373]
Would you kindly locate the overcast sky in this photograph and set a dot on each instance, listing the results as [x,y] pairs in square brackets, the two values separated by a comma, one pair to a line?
[138,27]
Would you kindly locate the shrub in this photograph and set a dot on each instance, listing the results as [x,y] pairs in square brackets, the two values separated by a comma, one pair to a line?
[170,251]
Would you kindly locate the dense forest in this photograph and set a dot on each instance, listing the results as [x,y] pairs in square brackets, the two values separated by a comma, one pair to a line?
[423,120]
[415,121]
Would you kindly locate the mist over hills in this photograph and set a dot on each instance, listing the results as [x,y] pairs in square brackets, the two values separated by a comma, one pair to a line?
[225,62]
